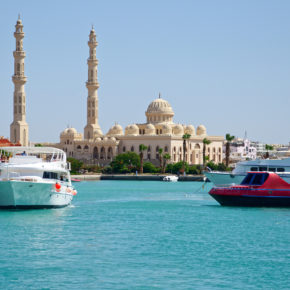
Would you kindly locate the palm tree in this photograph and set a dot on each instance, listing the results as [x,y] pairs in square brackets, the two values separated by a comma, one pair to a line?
[160,151]
[142,148]
[166,157]
[205,142]
[268,147]
[229,139]
[185,138]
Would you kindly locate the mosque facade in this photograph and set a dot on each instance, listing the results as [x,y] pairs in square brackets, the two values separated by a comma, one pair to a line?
[159,131]
[94,147]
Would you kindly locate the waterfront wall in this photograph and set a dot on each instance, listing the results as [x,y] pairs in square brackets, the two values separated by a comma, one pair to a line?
[136,177]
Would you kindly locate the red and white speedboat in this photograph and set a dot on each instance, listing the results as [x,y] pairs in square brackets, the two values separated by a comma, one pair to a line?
[257,189]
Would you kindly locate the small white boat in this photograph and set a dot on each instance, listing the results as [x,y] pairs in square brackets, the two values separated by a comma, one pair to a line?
[280,166]
[170,178]
[34,177]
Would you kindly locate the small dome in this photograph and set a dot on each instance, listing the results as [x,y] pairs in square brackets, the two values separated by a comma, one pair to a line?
[98,139]
[113,139]
[149,129]
[68,131]
[178,130]
[105,139]
[97,133]
[132,130]
[71,131]
[115,130]
[166,129]
[201,130]
[189,130]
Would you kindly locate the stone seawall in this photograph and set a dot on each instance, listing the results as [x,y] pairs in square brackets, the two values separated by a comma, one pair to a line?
[135,177]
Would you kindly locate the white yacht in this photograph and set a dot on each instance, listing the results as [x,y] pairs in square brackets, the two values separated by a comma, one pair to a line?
[170,178]
[280,166]
[34,177]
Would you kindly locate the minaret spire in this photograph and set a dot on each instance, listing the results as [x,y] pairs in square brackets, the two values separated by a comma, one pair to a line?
[92,128]
[19,127]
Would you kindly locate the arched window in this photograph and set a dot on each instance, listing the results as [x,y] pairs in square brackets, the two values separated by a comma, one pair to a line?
[86,148]
[79,148]
[149,149]
[166,149]
[124,149]
[132,149]
[18,68]
[103,153]
[174,149]
[157,131]
[219,149]
[96,153]
[110,153]
[214,150]
[157,148]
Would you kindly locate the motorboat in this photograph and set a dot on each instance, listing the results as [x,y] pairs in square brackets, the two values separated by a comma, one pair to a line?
[279,166]
[34,177]
[170,178]
[265,189]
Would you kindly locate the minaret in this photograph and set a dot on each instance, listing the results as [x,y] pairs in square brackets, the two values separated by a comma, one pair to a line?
[92,128]
[19,127]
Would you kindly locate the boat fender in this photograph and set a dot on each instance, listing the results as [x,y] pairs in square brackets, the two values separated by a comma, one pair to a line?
[57,187]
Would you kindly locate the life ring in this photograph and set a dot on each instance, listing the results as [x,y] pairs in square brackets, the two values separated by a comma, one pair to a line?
[74,192]
[68,190]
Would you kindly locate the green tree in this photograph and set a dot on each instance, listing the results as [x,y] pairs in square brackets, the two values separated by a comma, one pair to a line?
[185,138]
[142,148]
[149,168]
[268,148]
[126,162]
[166,157]
[180,167]
[205,142]
[76,164]
[229,139]
[38,145]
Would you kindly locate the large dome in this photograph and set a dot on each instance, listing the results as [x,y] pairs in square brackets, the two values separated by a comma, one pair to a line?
[159,111]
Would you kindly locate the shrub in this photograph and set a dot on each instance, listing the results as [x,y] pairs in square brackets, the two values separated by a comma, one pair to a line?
[148,167]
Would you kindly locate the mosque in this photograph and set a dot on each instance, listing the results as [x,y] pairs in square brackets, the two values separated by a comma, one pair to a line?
[94,147]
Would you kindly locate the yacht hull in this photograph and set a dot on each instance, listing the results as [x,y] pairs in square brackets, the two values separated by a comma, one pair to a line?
[19,194]
[225,179]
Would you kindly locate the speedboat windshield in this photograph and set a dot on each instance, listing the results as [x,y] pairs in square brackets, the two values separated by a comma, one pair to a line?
[255,178]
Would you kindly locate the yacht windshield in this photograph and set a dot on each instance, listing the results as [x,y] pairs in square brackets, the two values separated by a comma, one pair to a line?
[255,179]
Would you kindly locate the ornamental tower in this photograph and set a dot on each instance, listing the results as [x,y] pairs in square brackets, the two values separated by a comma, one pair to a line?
[92,128]
[19,127]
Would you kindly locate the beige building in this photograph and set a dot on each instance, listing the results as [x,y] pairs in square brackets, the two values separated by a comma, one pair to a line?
[159,131]
[19,127]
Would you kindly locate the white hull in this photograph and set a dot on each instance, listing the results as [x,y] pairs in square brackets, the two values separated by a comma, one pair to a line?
[222,179]
[19,194]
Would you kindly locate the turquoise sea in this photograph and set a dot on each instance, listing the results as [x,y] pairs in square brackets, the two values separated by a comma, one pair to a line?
[145,235]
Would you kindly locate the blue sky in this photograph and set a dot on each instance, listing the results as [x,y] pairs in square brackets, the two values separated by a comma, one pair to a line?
[224,64]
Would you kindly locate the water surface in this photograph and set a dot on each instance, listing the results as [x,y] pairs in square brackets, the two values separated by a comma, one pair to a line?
[145,235]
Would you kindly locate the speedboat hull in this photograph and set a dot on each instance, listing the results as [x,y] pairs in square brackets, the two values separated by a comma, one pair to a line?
[19,194]
[265,189]
[252,200]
